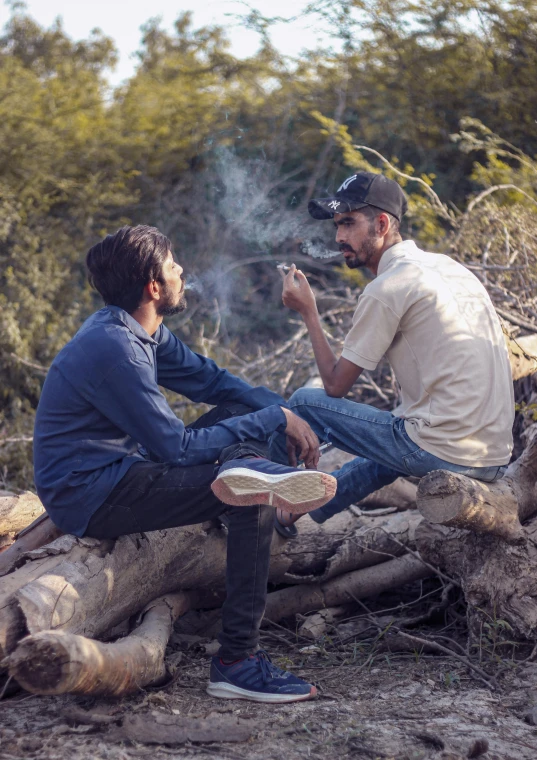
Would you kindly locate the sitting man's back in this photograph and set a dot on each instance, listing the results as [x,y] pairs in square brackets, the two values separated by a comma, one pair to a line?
[111,458]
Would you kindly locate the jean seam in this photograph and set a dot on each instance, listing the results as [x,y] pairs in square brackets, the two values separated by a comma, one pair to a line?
[254,584]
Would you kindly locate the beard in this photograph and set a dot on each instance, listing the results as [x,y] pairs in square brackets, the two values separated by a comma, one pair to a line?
[168,308]
[363,255]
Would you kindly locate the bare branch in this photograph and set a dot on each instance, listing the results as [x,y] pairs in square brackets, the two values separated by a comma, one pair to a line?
[32,365]
[442,207]
[22,439]
[493,189]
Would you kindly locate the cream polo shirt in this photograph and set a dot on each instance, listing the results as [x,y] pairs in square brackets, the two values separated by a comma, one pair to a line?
[437,326]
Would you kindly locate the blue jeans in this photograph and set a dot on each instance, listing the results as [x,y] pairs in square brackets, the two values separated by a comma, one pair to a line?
[379,439]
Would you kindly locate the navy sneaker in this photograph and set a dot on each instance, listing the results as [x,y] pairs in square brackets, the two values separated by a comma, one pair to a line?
[244,482]
[258,679]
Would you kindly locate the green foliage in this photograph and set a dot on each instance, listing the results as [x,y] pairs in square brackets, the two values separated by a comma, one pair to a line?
[494,642]
[60,177]
[223,155]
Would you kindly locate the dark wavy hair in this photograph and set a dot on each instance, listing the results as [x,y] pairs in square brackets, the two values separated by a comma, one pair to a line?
[121,265]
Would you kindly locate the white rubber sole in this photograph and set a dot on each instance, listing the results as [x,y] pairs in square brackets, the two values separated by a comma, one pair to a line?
[223,690]
[297,492]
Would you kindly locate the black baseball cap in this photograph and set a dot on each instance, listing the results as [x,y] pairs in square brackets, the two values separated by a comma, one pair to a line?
[362,189]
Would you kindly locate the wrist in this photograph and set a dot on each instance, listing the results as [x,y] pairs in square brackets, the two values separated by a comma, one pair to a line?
[310,315]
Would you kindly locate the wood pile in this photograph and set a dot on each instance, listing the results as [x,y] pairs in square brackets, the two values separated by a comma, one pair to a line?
[60,594]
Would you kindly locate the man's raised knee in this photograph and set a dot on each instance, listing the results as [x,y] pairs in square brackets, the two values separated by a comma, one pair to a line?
[305,396]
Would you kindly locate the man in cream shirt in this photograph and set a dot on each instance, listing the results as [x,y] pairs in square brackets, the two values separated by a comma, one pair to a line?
[435,323]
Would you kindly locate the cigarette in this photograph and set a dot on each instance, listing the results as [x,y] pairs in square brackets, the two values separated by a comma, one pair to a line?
[323,448]
[283,267]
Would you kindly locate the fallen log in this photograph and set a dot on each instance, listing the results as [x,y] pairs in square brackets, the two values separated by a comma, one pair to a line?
[401,495]
[85,586]
[40,532]
[475,532]
[17,512]
[359,584]
[497,509]
[55,662]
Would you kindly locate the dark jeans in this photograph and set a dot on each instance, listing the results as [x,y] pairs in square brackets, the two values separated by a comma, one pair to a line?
[155,496]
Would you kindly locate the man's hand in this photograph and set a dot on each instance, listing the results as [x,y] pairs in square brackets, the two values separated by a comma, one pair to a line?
[297,294]
[301,438]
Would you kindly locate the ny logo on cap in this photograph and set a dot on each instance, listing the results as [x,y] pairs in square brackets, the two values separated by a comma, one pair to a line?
[347,182]
[333,205]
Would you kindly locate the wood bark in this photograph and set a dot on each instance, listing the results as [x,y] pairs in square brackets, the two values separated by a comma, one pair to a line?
[85,586]
[56,662]
[497,509]
[479,533]
[401,495]
[522,355]
[40,532]
[16,512]
[359,584]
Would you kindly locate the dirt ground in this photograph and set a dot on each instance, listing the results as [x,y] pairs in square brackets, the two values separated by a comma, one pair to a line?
[403,707]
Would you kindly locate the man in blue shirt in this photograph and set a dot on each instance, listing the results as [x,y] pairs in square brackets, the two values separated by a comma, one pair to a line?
[111,458]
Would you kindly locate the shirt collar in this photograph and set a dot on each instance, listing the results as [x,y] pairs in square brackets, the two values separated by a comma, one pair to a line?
[395,252]
[129,322]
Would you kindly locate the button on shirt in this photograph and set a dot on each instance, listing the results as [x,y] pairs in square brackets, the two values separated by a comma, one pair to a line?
[101,410]
[437,326]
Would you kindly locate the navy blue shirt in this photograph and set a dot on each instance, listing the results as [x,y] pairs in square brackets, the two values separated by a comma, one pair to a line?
[101,404]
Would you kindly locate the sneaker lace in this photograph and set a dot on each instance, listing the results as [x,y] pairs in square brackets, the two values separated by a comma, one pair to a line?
[268,669]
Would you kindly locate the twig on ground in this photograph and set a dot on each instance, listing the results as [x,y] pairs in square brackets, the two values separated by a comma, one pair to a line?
[5,688]
[415,554]
[489,681]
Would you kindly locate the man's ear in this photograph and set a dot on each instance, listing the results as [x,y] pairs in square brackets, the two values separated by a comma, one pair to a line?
[383,224]
[153,290]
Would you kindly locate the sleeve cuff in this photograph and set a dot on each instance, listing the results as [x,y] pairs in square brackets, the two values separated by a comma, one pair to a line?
[276,419]
[359,360]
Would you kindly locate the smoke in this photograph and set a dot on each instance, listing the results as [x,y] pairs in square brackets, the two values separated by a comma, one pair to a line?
[194,284]
[250,204]
[241,215]
[317,249]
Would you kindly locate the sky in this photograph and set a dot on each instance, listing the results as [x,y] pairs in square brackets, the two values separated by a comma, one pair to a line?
[122,19]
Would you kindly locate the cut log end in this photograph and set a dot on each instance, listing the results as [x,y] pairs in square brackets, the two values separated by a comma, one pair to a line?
[55,662]
[457,501]
[39,665]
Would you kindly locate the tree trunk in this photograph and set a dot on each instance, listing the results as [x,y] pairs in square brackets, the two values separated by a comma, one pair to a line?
[359,584]
[16,512]
[475,533]
[401,495]
[497,509]
[85,586]
[55,662]
[42,531]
